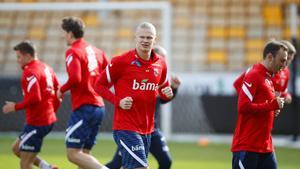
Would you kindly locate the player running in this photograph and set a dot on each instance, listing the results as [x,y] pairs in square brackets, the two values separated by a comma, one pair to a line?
[84,63]
[39,86]
[137,76]
[158,148]
[252,145]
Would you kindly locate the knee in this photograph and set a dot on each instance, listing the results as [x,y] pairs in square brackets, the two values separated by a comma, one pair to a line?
[72,156]
[15,149]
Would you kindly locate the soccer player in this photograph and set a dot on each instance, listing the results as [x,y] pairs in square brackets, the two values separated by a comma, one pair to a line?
[84,63]
[281,79]
[158,147]
[257,106]
[39,86]
[137,75]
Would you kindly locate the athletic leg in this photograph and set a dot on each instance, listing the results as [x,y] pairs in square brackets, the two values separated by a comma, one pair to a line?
[116,162]
[268,161]
[160,150]
[244,160]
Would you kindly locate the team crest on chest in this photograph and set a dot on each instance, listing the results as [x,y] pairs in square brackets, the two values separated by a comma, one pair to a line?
[156,72]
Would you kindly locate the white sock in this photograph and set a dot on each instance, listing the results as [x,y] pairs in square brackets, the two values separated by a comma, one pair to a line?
[44,165]
[104,167]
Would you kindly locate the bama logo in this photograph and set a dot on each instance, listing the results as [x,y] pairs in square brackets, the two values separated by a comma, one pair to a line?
[143,85]
[137,148]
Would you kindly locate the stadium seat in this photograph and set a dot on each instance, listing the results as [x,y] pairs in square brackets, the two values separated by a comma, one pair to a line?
[236,32]
[125,33]
[255,32]
[217,57]
[253,57]
[217,32]
[255,44]
[287,34]
[183,22]
[273,32]
[27,1]
[91,19]
[36,33]
[273,14]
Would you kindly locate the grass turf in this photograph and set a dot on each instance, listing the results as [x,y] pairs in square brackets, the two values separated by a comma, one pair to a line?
[185,155]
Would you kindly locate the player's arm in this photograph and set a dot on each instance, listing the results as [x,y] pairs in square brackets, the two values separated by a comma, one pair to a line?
[165,90]
[237,84]
[246,97]
[286,95]
[74,71]
[56,86]
[107,78]
[32,94]
[104,62]
[175,83]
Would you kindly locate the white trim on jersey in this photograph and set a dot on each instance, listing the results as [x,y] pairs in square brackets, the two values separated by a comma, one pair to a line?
[31,80]
[69,59]
[133,155]
[108,74]
[241,165]
[26,137]
[73,128]
[247,92]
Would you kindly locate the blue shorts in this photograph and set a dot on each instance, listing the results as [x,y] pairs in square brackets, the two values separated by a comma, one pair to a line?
[31,138]
[134,148]
[83,126]
[252,160]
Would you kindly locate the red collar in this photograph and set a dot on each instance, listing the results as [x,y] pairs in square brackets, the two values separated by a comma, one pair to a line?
[29,63]
[153,58]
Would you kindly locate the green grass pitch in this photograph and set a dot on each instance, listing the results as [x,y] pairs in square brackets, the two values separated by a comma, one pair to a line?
[185,155]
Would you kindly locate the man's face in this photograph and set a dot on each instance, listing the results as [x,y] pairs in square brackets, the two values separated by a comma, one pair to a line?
[279,61]
[22,58]
[145,39]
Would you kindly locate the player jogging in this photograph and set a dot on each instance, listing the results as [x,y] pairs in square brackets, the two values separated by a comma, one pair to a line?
[137,75]
[84,63]
[252,145]
[39,86]
[158,148]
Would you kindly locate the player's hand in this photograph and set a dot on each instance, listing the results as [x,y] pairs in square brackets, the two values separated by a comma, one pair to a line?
[126,103]
[280,102]
[175,82]
[167,91]
[288,99]
[59,95]
[277,112]
[8,107]
[277,94]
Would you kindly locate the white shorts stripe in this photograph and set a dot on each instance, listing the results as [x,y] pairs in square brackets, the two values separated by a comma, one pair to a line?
[241,165]
[247,92]
[73,128]
[108,74]
[26,137]
[133,155]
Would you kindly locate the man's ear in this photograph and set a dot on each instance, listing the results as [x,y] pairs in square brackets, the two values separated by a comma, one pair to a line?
[270,57]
